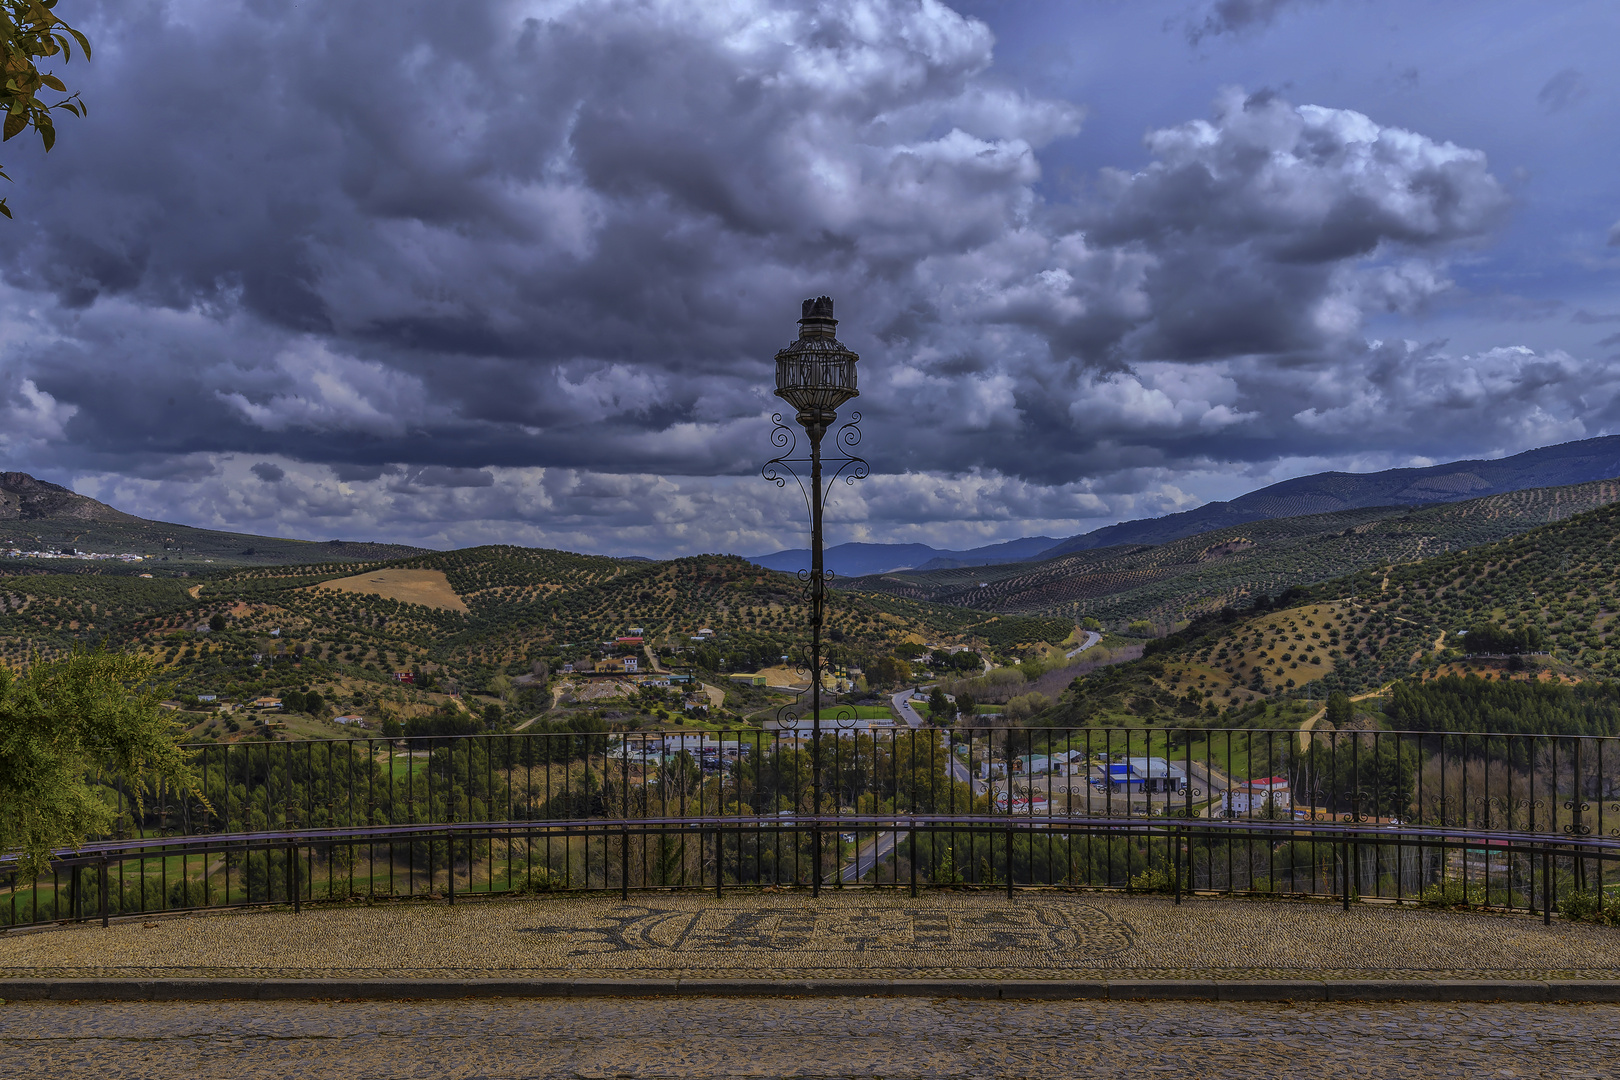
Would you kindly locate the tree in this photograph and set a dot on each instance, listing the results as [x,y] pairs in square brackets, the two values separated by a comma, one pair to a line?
[939,705]
[66,723]
[29,32]
[216,623]
[1024,706]
[1339,713]
[1490,639]
[891,671]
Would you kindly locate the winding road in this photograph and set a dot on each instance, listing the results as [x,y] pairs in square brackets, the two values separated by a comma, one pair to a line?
[907,711]
[1092,637]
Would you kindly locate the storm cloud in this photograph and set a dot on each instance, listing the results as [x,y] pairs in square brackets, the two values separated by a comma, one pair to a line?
[363,270]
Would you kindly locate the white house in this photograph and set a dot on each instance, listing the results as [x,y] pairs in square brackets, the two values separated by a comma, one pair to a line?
[1249,798]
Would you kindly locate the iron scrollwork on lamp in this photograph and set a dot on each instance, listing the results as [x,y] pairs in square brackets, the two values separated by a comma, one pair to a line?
[816,375]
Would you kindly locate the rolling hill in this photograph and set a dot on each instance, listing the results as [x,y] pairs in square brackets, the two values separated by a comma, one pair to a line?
[1563,465]
[36,515]
[1228,566]
[1358,633]
[465,619]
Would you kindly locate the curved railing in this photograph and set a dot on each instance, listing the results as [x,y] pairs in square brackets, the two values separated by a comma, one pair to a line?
[1453,819]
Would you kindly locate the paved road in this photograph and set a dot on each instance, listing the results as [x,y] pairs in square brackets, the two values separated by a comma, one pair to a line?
[870,854]
[805,1037]
[959,773]
[1092,637]
[903,706]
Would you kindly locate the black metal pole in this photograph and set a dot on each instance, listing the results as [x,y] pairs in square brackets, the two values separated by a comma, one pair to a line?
[817,602]
[815,375]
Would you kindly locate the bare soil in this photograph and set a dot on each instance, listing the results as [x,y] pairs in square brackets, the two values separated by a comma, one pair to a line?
[430,588]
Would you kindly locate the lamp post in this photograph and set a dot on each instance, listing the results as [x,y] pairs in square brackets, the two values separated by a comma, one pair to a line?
[815,375]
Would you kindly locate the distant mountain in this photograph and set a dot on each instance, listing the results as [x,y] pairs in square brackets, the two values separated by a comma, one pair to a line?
[1321,493]
[856,560]
[39,515]
[23,498]
[1325,493]
[1029,547]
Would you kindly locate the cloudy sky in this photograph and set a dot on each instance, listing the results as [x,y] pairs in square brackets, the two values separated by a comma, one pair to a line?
[514,270]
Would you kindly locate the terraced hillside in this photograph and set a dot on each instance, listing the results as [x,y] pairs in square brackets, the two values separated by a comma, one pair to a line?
[1561,580]
[1163,583]
[1557,586]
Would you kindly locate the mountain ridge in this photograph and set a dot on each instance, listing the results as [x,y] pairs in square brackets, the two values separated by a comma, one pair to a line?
[858,559]
[1559,465]
[38,514]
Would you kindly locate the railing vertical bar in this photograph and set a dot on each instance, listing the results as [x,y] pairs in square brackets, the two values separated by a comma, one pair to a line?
[1547,900]
[1231,878]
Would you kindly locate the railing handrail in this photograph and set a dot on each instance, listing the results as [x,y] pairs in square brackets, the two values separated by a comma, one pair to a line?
[1367,832]
[829,728]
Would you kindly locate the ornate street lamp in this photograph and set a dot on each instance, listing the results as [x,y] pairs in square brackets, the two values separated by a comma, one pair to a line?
[816,375]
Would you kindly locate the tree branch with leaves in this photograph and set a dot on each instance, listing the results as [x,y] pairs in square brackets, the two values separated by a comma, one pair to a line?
[68,728]
[30,32]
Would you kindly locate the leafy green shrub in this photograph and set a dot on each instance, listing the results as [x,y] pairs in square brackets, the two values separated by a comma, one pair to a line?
[539,880]
[946,873]
[1153,880]
[1592,907]
[186,892]
[1453,893]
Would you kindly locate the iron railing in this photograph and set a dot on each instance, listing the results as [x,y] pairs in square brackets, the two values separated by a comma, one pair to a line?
[1510,822]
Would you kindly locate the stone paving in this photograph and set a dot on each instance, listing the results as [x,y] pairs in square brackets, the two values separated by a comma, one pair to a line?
[780,1037]
[863,934]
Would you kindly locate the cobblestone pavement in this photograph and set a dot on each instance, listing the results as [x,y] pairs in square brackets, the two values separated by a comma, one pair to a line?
[783,1037]
[848,935]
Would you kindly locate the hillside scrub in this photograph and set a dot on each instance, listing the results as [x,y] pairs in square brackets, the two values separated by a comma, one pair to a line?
[1506,707]
[1491,640]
